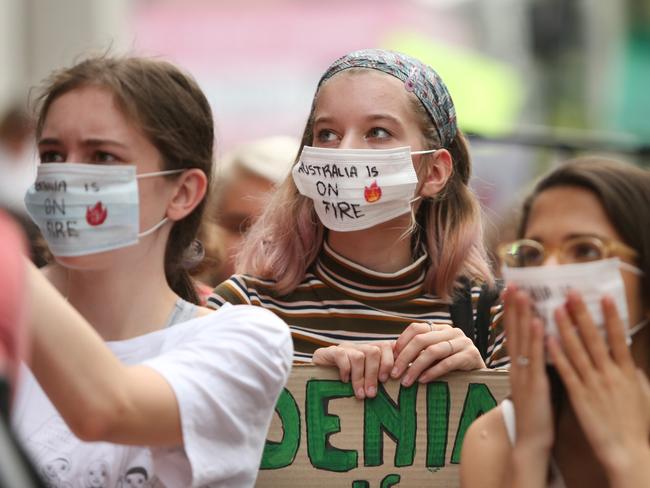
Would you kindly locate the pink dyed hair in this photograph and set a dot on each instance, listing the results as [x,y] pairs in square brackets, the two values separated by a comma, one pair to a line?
[286,239]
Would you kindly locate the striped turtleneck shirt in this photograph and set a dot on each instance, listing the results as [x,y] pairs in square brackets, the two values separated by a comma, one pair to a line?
[341,301]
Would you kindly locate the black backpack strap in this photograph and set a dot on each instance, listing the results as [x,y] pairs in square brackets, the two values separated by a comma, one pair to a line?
[487,298]
[462,313]
[460,310]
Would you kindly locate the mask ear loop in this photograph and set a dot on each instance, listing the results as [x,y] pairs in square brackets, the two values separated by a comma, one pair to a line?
[165,219]
[154,228]
[160,173]
[414,223]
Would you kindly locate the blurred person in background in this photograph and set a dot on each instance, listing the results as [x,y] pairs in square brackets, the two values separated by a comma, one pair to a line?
[17,157]
[579,410]
[244,178]
[17,170]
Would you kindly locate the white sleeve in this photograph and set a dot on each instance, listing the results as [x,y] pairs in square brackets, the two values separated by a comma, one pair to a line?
[227,378]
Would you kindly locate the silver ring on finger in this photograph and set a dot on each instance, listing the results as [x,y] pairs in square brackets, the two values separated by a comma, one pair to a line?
[523,361]
[430,326]
[451,347]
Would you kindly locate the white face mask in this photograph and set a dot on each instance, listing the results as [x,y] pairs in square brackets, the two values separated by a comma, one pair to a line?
[548,287]
[355,189]
[87,208]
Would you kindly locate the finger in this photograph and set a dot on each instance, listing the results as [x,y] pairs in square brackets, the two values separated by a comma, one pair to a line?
[570,378]
[524,315]
[645,384]
[455,362]
[572,345]
[509,321]
[371,372]
[537,360]
[592,340]
[357,365]
[334,356]
[387,360]
[418,344]
[413,330]
[427,358]
[616,335]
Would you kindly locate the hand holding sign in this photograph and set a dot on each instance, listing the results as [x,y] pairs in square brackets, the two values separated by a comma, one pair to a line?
[364,364]
[610,397]
[424,352]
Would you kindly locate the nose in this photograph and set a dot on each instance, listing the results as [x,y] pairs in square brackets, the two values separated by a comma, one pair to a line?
[551,259]
[353,141]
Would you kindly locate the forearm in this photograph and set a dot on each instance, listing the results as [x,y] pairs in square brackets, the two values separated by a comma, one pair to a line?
[529,467]
[80,375]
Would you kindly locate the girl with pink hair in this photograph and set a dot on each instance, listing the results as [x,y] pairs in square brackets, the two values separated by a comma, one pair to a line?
[372,249]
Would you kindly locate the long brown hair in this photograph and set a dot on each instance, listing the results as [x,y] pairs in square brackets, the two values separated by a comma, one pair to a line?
[174,114]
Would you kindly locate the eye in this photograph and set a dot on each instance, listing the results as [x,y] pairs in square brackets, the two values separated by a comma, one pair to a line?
[325,135]
[104,157]
[378,133]
[52,157]
[584,251]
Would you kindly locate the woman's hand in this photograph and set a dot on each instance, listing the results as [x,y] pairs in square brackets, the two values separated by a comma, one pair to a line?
[425,351]
[364,364]
[530,390]
[610,397]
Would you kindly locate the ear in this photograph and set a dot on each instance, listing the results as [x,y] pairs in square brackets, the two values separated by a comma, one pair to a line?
[439,169]
[190,188]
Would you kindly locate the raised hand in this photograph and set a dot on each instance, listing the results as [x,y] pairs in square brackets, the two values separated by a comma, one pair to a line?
[610,396]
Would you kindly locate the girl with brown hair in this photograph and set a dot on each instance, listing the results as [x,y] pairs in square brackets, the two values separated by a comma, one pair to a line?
[583,419]
[126,153]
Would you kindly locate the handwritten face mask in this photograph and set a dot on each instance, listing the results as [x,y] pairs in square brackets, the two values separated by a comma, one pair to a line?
[355,189]
[548,287]
[87,208]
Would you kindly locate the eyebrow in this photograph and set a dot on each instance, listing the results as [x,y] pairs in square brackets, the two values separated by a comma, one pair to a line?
[325,119]
[573,236]
[51,141]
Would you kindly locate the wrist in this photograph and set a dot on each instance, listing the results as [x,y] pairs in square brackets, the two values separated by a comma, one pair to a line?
[530,464]
[629,469]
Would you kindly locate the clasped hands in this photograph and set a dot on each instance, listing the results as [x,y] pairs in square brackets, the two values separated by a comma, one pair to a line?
[423,352]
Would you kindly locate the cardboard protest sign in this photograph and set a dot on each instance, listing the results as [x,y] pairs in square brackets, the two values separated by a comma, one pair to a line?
[322,436]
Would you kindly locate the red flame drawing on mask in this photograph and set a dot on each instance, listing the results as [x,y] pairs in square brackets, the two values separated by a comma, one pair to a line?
[96,215]
[372,193]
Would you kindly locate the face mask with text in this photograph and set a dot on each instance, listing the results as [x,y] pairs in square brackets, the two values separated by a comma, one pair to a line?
[88,208]
[355,189]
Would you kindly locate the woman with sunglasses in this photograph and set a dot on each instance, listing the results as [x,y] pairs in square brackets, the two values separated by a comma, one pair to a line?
[579,411]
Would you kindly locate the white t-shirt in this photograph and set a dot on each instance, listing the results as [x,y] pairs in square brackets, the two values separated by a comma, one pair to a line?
[227,370]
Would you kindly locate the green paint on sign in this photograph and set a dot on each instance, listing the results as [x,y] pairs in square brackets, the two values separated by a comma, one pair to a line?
[281,454]
[321,425]
[478,400]
[390,480]
[399,421]
[438,405]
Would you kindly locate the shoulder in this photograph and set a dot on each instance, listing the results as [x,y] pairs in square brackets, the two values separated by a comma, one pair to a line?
[237,326]
[235,290]
[486,451]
